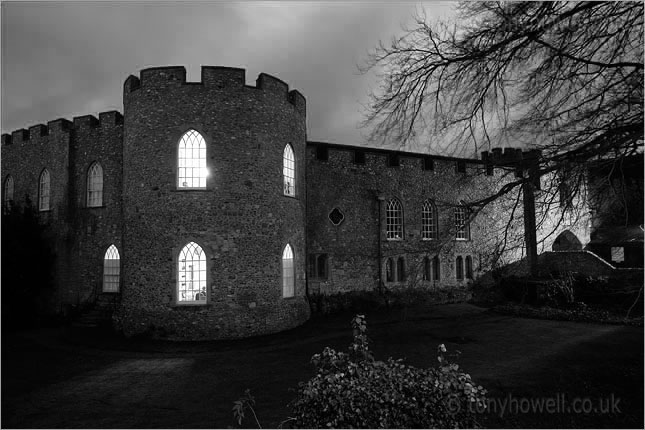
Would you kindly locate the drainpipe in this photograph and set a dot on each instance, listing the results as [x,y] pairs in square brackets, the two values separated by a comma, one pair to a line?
[379,199]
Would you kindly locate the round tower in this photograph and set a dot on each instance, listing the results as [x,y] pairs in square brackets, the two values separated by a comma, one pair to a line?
[213,205]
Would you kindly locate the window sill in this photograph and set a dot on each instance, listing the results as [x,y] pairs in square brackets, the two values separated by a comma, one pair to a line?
[397,239]
[95,207]
[181,190]
[191,304]
[458,239]
[290,196]
[429,239]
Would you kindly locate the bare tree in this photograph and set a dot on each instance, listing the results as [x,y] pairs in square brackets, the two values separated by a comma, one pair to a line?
[565,78]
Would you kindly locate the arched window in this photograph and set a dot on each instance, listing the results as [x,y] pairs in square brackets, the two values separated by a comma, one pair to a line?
[289,171]
[191,161]
[426,269]
[462,227]
[394,220]
[389,270]
[111,270]
[400,269]
[469,267]
[288,278]
[429,220]
[43,191]
[95,186]
[436,268]
[191,274]
[460,268]
[7,200]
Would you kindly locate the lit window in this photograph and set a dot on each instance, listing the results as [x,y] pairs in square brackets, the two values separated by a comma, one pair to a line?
[460,268]
[192,171]
[95,186]
[389,270]
[462,228]
[469,267]
[288,280]
[8,194]
[191,274]
[400,269]
[289,171]
[394,220]
[111,270]
[436,268]
[43,191]
[429,220]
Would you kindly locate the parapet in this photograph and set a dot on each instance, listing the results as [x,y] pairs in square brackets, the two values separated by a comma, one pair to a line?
[511,157]
[215,77]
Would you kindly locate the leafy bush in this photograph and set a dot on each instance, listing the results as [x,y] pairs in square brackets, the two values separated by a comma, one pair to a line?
[559,292]
[353,390]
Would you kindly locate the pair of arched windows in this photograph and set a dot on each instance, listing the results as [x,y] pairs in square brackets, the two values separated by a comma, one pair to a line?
[394,220]
[395,270]
[192,170]
[192,274]
[459,267]
[431,269]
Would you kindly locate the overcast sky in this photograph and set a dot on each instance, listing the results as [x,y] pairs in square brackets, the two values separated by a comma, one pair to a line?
[65,59]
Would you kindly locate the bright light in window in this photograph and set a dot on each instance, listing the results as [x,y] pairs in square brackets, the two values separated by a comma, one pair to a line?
[191,161]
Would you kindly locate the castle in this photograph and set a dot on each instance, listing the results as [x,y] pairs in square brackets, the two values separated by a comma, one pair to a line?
[205,212]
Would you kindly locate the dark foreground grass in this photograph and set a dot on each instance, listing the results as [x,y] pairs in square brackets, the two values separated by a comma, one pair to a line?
[68,378]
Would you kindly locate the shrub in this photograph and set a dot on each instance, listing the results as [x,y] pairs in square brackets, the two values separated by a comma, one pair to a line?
[354,390]
[559,292]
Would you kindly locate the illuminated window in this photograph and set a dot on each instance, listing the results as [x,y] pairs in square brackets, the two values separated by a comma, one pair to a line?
[95,186]
[8,194]
[429,220]
[462,227]
[389,270]
[288,278]
[191,275]
[400,269]
[436,268]
[394,220]
[289,171]
[460,268]
[43,191]
[192,171]
[111,270]
[469,267]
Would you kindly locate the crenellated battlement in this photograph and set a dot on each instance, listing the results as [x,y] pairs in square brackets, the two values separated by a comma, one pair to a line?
[511,157]
[34,133]
[219,77]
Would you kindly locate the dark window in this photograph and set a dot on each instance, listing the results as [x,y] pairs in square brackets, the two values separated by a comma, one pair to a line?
[436,268]
[400,269]
[426,269]
[389,270]
[322,153]
[490,170]
[359,157]
[318,266]
[461,167]
[336,216]
[469,267]
[393,160]
[460,268]
[428,163]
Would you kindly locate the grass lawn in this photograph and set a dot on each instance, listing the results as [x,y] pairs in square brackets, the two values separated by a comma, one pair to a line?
[68,378]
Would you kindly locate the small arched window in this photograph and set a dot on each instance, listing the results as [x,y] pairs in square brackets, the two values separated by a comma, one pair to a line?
[400,269]
[191,275]
[111,270]
[389,270]
[95,186]
[44,191]
[191,161]
[469,267]
[460,268]
[288,278]
[436,268]
[394,220]
[427,269]
[7,189]
[289,171]
[429,220]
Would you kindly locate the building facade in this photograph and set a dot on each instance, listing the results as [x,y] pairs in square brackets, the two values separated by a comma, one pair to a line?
[205,212]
